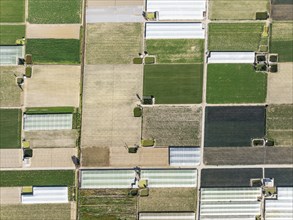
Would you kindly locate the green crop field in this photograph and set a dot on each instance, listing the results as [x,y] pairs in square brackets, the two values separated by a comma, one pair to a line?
[12,11]
[10,128]
[106,204]
[174,84]
[9,33]
[282,40]
[176,50]
[235,83]
[37,178]
[232,9]
[54,11]
[280,124]
[234,37]
[54,51]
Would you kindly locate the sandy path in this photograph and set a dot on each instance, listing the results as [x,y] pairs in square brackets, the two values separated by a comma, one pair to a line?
[103,3]
[10,195]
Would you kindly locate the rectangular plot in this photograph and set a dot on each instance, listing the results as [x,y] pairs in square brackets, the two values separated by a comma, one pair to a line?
[9,55]
[282,176]
[11,158]
[184,156]
[282,12]
[10,33]
[166,216]
[47,122]
[231,57]
[12,11]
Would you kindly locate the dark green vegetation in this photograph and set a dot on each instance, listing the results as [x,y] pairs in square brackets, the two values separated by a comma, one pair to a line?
[233,126]
[12,11]
[280,124]
[229,177]
[174,84]
[235,83]
[37,178]
[176,50]
[58,51]
[54,11]
[282,40]
[10,128]
[234,37]
[9,34]
[106,204]
[282,176]
[48,110]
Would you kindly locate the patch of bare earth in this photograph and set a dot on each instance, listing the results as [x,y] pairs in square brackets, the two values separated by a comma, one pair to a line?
[10,158]
[282,12]
[10,195]
[102,3]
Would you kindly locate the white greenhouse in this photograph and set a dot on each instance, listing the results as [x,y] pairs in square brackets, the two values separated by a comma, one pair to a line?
[167,216]
[184,156]
[231,57]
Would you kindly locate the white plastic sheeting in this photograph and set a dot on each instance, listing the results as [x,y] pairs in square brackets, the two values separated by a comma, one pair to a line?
[282,208]
[165,30]
[177,10]
[230,203]
[167,216]
[184,156]
[46,195]
[9,54]
[231,57]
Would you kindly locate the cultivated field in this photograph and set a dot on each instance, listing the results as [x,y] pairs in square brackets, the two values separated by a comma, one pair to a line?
[54,11]
[282,176]
[10,127]
[232,10]
[52,139]
[10,93]
[10,195]
[9,33]
[59,31]
[106,204]
[247,155]
[11,158]
[53,85]
[172,126]
[281,41]
[282,10]
[12,11]
[234,37]
[233,126]
[280,124]
[169,199]
[36,212]
[37,178]
[235,83]
[176,50]
[174,84]
[95,157]
[54,51]
[113,43]
[280,85]
[229,177]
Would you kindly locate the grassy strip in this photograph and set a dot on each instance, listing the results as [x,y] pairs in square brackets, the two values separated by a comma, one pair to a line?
[235,83]
[54,11]
[174,84]
[234,37]
[176,50]
[48,110]
[12,10]
[37,178]
[10,33]
[54,51]
[10,128]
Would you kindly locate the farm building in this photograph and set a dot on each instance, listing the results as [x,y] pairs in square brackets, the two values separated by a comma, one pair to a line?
[167,216]
[174,31]
[282,207]
[9,55]
[177,10]
[231,57]
[184,156]
[230,203]
[41,195]
[47,122]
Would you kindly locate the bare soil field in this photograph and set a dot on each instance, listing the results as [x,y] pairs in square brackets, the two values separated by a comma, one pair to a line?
[282,12]
[56,31]
[10,195]
[172,126]
[53,85]
[248,155]
[10,93]
[52,139]
[101,3]
[53,157]
[95,157]
[10,158]
[113,43]
[280,85]
[109,97]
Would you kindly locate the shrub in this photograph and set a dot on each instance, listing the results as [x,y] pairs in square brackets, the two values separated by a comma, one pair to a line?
[137,112]
[274,68]
[19,80]
[28,72]
[28,59]
[149,60]
[274,58]
[137,60]
[263,48]
[261,15]
[148,142]
[261,67]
